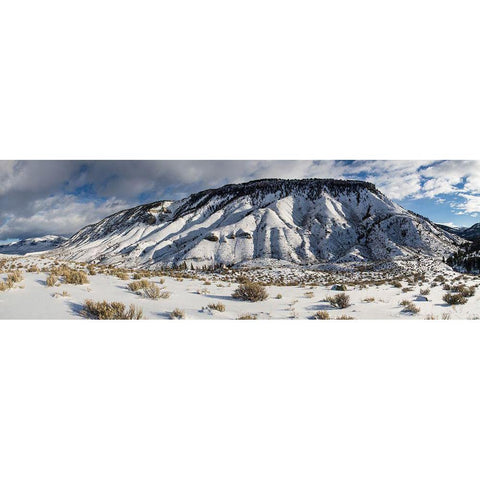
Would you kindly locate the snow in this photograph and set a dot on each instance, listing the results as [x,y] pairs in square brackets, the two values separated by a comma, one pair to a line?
[32,299]
[298,237]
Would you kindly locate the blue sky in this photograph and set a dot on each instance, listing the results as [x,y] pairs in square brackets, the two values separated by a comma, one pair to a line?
[60,197]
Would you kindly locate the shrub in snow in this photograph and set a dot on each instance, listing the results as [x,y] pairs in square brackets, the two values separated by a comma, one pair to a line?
[247,316]
[341,300]
[220,307]
[454,299]
[409,307]
[321,315]
[250,291]
[139,285]
[464,290]
[111,311]
[51,280]
[153,292]
[75,277]
[15,277]
[6,285]
[177,313]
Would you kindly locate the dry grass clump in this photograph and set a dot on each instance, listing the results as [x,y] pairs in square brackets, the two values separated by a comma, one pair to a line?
[51,280]
[139,274]
[309,294]
[424,291]
[32,269]
[397,284]
[111,311]
[340,300]
[341,288]
[247,316]
[152,291]
[60,270]
[407,289]
[409,307]
[464,290]
[454,299]
[12,279]
[369,300]
[321,315]
[91,270]
[250,291]
[63,294]
[15,276]
[242,278]
[75,277]
[344,317]
[177,313]
[220,307]
[279,296]
[7,284]
[122,275]
[139,285]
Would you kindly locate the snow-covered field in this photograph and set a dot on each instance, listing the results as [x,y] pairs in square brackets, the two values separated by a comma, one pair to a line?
[292,293]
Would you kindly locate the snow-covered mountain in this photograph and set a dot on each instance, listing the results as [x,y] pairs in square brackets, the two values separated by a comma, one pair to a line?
[300,221]
[469,233]
[32,245]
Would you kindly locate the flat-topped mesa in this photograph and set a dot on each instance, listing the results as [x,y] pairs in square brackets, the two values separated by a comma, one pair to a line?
[311,188]
[298,221]
[287,186]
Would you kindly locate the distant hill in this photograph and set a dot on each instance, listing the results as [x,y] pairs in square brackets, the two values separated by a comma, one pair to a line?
[32,245]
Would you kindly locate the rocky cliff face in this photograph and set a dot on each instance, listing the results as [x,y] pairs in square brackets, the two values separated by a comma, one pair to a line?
[300,221]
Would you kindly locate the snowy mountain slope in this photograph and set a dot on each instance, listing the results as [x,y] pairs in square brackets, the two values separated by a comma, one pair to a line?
[469,233]
[32,245]
[300,221]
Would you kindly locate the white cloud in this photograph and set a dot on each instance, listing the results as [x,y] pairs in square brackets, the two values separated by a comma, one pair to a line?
[62,214]
[470,206]
[39,197]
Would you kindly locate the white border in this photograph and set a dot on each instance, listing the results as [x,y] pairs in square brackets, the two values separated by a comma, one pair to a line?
[259,80]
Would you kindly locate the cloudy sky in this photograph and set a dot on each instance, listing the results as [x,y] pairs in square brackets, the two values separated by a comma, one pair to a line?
[60,197]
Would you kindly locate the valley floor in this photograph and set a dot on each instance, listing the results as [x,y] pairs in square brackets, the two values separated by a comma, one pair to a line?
[371,294]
